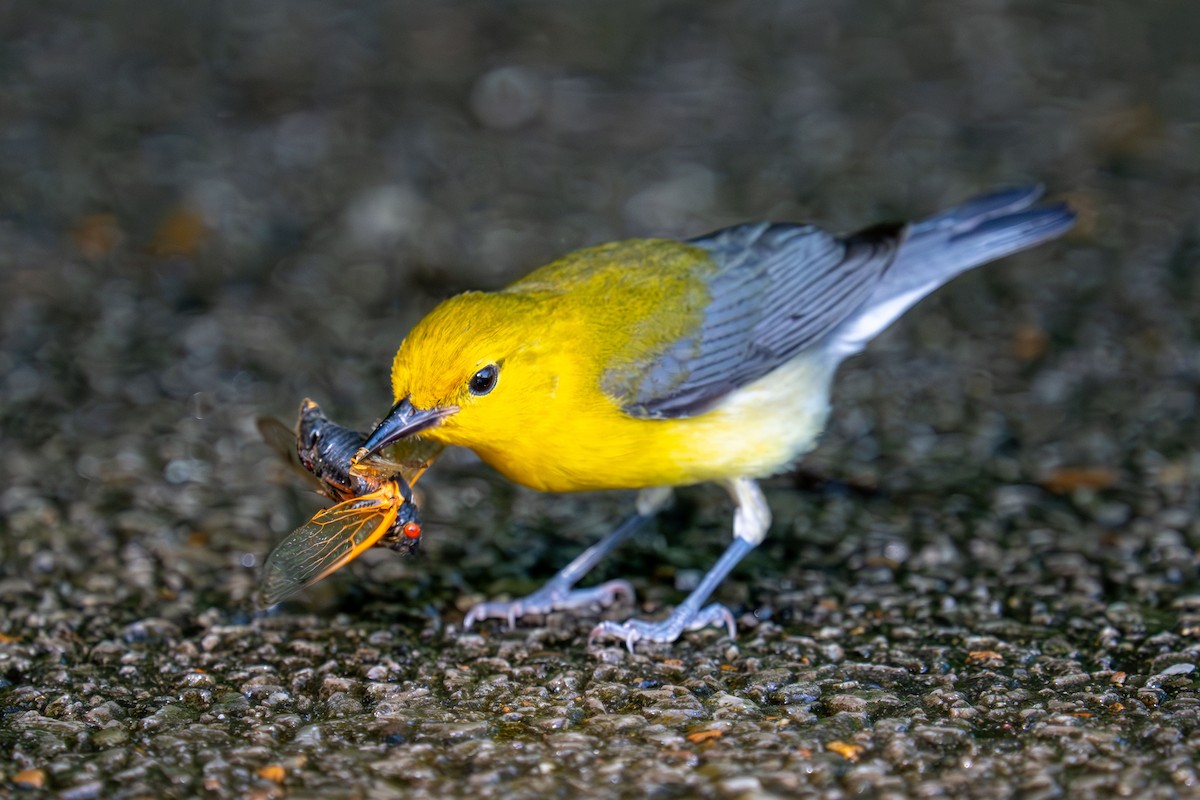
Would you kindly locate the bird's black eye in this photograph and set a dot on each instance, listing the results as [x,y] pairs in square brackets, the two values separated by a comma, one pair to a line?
[484,381]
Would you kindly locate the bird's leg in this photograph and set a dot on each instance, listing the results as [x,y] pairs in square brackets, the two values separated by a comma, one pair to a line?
[557,594]
[751,519]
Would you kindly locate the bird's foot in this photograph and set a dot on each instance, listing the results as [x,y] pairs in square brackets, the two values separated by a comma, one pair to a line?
[551,597]
[638,630]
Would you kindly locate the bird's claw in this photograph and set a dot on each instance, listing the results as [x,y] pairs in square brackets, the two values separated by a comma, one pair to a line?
[551,597]
[636,630]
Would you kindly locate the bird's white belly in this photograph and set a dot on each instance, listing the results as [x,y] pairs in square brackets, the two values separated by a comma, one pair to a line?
[763,427]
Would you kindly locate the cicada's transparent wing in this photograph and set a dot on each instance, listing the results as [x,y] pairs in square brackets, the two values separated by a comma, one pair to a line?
[331,539]
[282,440]
[408,458]
[280,437]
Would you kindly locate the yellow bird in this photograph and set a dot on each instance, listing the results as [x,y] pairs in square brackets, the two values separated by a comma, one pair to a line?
[650,363]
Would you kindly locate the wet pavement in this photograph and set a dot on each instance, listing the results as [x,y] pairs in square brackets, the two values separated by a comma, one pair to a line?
[983,584]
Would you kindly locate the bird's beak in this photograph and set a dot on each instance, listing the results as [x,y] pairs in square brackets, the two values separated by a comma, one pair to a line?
[402,421]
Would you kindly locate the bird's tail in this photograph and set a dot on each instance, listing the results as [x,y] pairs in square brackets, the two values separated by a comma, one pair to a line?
[937,249]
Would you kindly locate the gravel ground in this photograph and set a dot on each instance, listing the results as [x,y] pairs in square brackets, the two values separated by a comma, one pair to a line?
[983,584]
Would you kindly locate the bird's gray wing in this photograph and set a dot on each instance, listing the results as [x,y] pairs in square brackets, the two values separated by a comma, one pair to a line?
[776,289]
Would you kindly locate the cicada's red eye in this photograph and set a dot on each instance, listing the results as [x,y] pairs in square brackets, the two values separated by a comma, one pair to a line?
[412,530]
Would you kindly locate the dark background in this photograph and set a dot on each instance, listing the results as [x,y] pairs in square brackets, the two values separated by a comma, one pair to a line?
[983,582]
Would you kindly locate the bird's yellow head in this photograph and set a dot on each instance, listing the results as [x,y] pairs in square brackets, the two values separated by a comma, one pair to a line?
[533,377]
[474,373]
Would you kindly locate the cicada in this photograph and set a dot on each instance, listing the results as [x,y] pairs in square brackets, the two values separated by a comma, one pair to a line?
[373,501]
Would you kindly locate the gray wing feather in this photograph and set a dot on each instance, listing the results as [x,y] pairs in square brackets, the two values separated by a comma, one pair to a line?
[948,244]
[778,289]
[782,288]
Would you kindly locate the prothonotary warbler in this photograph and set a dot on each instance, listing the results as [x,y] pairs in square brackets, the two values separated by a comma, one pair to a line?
[650,363]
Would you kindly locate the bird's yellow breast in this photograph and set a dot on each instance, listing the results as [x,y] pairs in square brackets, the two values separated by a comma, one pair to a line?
[575,445]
